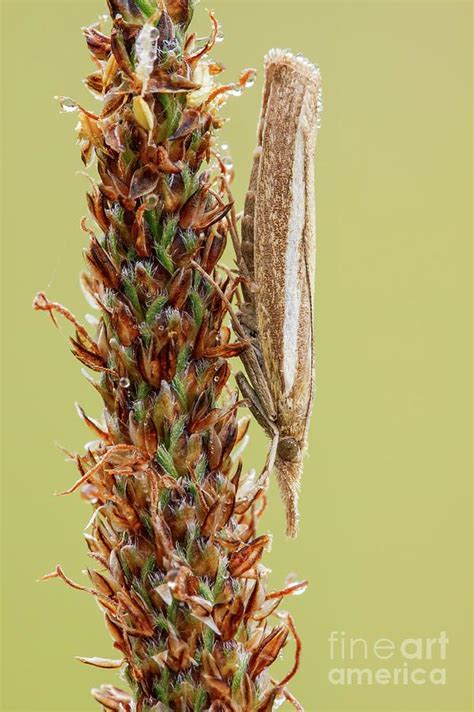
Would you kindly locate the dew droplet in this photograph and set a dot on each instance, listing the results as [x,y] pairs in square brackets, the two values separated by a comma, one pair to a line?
[145,50]
[300,591]
[216,379]
[220,36]
[124,383]
[67,104]
[225,146]
[151,201]
[247,78]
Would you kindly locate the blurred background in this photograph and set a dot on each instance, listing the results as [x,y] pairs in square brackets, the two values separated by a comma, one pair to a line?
[385,506]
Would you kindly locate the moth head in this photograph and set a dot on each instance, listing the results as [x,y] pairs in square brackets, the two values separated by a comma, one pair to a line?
[289,448]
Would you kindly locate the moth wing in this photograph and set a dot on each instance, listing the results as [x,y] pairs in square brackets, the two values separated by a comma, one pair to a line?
[284,235]
[248,220]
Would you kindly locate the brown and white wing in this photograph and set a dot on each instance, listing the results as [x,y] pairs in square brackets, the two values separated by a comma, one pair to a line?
[279,241]
[284,234]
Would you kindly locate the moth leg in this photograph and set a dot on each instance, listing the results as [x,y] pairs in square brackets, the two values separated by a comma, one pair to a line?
[249,356]
[253,361]
[261,417]
[258,380]
[271,456]
[255,405]
[284,455]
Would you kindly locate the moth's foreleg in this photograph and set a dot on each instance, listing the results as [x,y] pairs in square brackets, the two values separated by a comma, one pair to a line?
[253,362]
[257,378]
[261,417]
[249,357]
[271,456]
[255,405]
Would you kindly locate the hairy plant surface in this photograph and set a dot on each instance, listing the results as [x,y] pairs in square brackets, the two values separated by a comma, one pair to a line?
[178,571]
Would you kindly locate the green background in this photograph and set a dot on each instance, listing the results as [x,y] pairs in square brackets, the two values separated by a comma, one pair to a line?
[386,511]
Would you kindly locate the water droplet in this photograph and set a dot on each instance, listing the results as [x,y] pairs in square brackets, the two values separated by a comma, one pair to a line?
[247,78]
[235,91]
[220,36]
[145,50]
[225,146]
[216,379]
[161,327]
[151,201]
[300,591]
[228,162]
[124,383]
[67,104]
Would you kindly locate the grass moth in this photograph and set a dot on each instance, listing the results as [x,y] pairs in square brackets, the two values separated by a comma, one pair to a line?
[277,257]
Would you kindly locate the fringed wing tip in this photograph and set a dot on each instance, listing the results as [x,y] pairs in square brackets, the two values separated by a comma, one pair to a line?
[289,476]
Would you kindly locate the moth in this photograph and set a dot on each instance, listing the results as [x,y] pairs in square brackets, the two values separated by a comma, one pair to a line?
[277,264]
